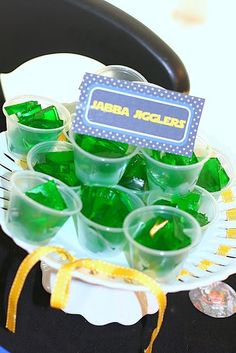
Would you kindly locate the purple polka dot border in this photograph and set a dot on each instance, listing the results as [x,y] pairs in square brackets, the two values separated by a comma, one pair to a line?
[142,89]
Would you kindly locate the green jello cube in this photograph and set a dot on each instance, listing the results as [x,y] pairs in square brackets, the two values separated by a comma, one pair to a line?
[105,206]
[102,147]
[200,217]
[173,159]
[170,237]
[47,118]
[213,176]
[30,221]
[47,194]
[21,107]
[189,203]
[135,176]
[49,114]
[59,157]
[31,114]
[23,116]
[60,165]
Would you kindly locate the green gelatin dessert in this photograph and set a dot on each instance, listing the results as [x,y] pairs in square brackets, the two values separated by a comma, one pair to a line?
[135,176]
[30,221]
[102,216]
[213,176]
[105,206]
[31,114]
[102,147]
[173,159]
[60,165]
[24,118]
[162,234]
[21,108]
[189,203]
[47,194]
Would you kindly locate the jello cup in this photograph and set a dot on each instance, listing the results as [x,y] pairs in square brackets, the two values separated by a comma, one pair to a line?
[31,221]
[159,264]
[120,72]
[37,154]
[207,205]
[91,169]
[101,240]
[176,179]
[21,138]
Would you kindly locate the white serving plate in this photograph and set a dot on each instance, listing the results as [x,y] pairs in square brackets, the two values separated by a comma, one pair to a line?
[111,300]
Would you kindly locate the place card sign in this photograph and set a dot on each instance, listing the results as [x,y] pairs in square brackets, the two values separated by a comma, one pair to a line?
[138,113]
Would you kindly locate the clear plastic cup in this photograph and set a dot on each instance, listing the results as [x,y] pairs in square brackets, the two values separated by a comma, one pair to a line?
[91,169]
[31,221]
[175,179]
[120,72]
[159,264]
[101,240]
[21,138]
[36,154]
[207,205]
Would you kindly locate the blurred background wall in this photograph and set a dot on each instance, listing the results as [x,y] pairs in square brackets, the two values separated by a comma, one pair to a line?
[202,33]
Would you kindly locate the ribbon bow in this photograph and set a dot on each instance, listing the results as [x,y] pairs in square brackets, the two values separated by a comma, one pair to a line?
[61,289]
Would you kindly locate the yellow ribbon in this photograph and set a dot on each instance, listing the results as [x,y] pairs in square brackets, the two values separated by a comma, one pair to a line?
[61,289]
[20,278]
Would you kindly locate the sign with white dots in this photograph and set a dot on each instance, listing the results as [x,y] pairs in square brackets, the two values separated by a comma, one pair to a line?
[138,113]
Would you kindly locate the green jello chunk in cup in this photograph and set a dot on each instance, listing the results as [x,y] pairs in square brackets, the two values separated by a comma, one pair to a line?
[175,174]
[102,147]
[59,157]
[39,206]
[47,118]
[162,234]
[173,159]
[105,206]
[31,114]
[60,165]
[47,194]
[135,176]
[100,161]
[32,121]
[159,239]
[213,176]
[189,203]
[102,216]
[22,108]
